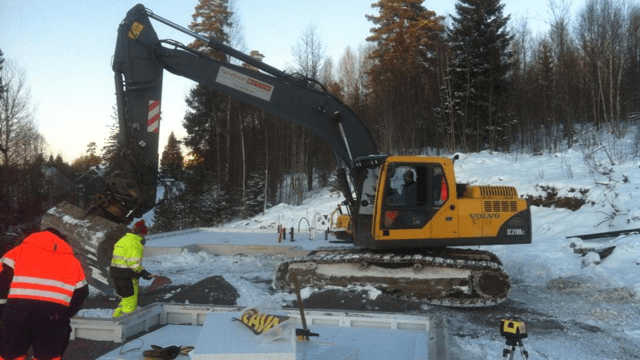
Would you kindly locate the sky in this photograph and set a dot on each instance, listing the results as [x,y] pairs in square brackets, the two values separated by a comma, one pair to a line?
[65,49]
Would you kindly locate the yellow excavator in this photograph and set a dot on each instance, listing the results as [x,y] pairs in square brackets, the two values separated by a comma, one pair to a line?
[404,214]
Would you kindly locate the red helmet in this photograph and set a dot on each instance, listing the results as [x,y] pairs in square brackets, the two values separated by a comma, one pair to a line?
[140,228]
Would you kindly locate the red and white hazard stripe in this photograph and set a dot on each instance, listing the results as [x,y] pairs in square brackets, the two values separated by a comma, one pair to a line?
[153,119]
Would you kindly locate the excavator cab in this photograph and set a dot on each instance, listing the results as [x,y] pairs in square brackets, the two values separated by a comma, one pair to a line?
[416,203]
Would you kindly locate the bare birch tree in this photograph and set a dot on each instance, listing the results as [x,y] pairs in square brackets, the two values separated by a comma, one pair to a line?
[20,141]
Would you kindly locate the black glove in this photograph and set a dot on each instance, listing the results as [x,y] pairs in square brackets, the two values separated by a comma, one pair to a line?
[167,353]
[146,275]
[170,352]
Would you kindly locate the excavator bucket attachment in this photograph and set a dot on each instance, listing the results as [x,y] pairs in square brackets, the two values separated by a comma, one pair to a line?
[92,238]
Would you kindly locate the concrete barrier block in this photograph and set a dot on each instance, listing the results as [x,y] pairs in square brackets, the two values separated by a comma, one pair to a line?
[96,329]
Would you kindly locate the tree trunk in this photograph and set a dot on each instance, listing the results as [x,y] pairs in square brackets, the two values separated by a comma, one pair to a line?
[266,162]
[244,168]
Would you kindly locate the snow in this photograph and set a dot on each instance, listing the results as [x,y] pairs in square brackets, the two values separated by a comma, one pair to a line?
[372,292]
[148,216]
[318,207]
[96,313]
[248,275]
[576,307]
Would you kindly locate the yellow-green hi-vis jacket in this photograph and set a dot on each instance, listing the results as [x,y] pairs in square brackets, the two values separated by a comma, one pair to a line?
[127,258]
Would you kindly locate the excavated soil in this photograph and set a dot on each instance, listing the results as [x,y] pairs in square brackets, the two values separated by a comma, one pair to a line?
[213,290]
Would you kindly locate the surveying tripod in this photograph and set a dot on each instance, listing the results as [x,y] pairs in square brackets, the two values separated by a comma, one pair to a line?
[514,330]
[510,349]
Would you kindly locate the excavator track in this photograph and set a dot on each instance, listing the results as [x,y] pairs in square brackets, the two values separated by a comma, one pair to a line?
[448,277]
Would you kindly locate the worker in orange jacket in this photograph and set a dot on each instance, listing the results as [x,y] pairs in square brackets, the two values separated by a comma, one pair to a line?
[42,285]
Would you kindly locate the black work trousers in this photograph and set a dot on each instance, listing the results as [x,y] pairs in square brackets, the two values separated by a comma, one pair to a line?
[33,323]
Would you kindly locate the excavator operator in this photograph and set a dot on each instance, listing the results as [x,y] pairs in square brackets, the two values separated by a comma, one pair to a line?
[409,189]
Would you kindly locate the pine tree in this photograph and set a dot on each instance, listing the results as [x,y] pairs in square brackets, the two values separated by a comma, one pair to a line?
[207,121]
[110,149]
[480,63]
[255,193]
[402,82]
[169,215]
[172,159]
[212,19]
[87,161]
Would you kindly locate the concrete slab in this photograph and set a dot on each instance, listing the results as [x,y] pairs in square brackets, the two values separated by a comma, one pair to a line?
[222,338]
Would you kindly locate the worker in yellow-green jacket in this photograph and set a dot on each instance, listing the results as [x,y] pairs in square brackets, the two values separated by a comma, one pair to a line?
[126,268]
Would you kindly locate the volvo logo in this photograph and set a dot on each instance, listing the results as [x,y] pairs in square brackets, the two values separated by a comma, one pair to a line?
[484,216]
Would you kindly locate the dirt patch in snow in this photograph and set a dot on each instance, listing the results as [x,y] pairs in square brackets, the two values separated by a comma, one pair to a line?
[551,198]
[212,290]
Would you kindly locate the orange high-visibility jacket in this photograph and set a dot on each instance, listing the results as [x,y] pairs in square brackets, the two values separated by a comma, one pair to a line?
[44,269]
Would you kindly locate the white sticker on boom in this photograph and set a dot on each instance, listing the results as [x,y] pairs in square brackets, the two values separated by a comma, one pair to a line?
[244,83]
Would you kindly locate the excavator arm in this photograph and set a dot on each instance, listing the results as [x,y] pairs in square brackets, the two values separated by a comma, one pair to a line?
[131,181]
[138,64]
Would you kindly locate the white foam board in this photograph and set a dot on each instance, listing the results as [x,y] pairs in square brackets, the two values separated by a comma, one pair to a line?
[318,350]
[221,338]
[177,335]
[343,335]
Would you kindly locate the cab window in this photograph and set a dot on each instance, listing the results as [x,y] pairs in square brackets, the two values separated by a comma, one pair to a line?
[413,194]
[369,191]
[406,197]
[406,186]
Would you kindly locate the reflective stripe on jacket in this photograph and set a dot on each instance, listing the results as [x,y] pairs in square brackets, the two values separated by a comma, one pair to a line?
[128,253]
[44,269]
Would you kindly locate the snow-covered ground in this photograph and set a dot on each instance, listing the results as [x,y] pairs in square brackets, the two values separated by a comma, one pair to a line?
[576,307]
